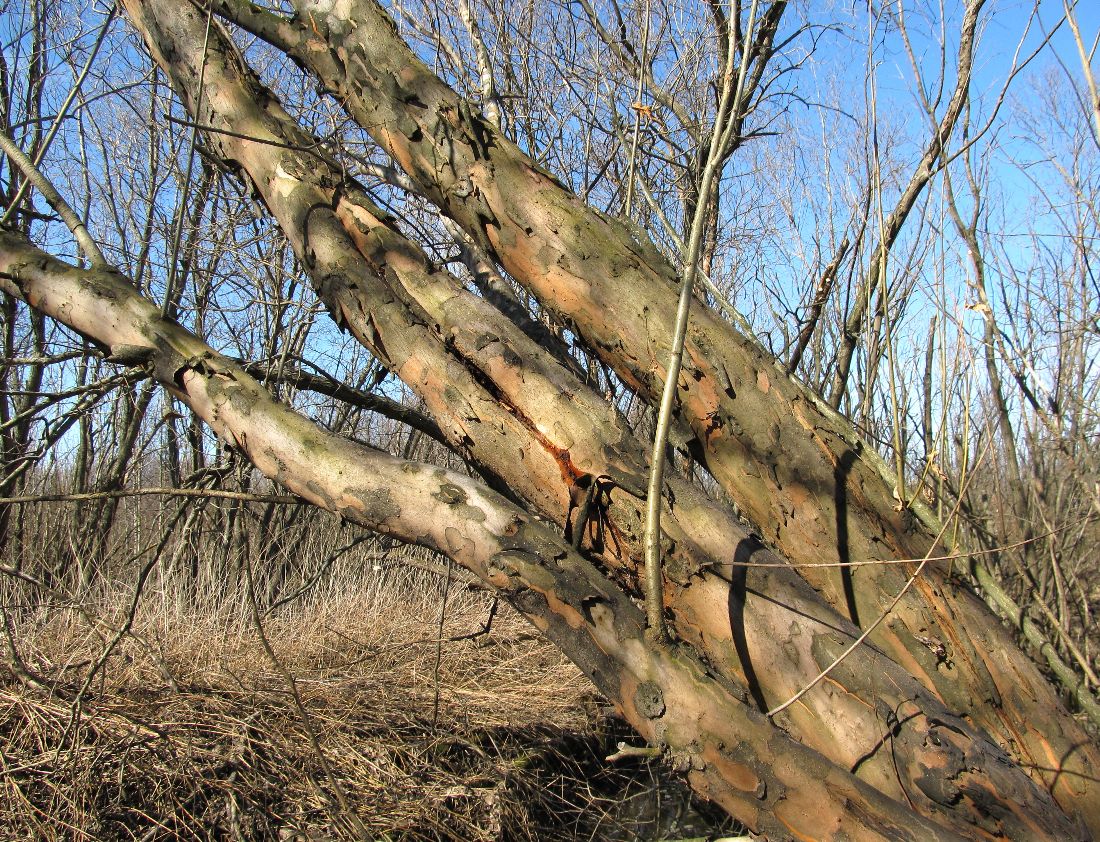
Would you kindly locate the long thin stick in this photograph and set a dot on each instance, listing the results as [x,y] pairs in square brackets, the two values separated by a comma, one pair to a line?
[62,113]
[720,141]
[638,108]
[148,492]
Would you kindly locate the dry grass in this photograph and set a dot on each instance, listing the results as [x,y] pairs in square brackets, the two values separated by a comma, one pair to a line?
[189,730]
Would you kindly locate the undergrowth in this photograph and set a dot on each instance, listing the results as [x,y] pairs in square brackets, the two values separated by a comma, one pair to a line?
[186,728]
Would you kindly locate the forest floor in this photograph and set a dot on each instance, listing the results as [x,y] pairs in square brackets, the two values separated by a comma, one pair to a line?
[346,718]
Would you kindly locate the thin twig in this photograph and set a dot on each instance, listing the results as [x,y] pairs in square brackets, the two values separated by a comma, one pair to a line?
[307,722]
[177,234]
[145,492]
[948,557]
[439,644]
[725,124]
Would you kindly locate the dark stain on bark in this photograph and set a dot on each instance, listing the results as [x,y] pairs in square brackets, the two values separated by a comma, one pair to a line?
[649,701]
[375,503]
[321,493]
[450,494]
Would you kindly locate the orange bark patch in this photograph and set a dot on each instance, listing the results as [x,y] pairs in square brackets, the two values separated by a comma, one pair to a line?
[783,816]
[736,774]
[798,496]
[567,612]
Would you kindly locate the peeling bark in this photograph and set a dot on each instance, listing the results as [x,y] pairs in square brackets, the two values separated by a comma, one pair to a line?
[729,752]
[796,468]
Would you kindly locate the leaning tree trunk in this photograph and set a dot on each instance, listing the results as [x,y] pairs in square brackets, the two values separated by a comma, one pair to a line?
[857,748]
[728,751]
[795,467]
[531,426]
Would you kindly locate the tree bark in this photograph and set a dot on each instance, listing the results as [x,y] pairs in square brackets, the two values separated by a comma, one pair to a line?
[729,752]
[794,466]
